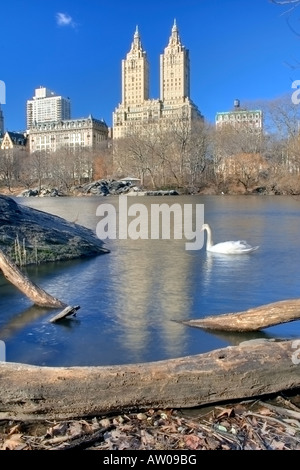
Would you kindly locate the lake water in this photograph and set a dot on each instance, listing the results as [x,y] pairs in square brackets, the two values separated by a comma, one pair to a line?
[132,298]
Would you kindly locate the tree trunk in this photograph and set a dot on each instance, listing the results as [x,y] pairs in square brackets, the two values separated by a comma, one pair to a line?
[31,290]
[252,369]
[253,319]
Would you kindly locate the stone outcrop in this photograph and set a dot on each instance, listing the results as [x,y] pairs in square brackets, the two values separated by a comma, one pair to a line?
[99,188]
[30,236]
[117,187]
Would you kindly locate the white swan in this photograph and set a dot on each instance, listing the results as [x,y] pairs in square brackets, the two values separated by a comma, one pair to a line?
[238,247]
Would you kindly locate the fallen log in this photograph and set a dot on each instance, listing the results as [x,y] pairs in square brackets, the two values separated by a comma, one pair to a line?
[35,293]
[235,372]
[253,319]
[68,311]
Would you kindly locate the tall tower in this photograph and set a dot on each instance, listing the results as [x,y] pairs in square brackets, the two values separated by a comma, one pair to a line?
[47,106]
[174,70]
[137,110]
[135,74]
[1,122]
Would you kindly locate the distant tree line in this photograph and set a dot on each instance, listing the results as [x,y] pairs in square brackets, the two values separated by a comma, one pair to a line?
[198,159]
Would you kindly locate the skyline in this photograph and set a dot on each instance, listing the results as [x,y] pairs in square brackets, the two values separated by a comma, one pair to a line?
[240,49]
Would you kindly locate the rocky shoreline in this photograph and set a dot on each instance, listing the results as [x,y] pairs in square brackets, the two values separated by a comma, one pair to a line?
[98,188]
[30,236]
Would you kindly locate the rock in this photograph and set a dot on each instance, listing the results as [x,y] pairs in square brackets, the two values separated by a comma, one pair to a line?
[30,236]
[43,192]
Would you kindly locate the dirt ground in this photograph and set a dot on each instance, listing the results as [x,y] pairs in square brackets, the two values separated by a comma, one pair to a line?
[271,424]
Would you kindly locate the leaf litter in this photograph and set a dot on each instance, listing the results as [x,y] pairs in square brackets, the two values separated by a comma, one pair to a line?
[246,425]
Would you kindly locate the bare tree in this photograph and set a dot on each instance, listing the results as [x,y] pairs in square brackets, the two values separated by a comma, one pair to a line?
[10,166]
[291,6]
[103,161]
[294,3]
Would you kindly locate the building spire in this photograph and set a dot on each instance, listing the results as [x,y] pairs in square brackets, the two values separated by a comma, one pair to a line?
[174,38]
[136,44]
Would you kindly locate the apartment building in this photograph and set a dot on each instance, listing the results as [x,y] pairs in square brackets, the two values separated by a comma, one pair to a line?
[13,140]
[136,108]
[242,118]
[47,106]
[72,134]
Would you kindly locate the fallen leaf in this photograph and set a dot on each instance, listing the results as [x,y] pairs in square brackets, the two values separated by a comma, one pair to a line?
[266,412]
[192,441]
[13,442]
[229,412]
[277,445]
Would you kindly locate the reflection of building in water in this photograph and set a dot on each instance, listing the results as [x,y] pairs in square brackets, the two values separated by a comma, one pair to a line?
[152,294]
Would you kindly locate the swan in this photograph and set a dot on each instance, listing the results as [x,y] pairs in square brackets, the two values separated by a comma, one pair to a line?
[237,247]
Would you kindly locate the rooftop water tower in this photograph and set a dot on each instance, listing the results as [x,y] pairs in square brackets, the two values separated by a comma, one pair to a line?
[236,104]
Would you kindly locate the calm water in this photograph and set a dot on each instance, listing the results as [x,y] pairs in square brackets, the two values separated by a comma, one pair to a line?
[130,297]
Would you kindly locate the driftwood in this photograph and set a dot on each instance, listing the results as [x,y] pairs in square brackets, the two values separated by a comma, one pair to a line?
[35,293]
[252,369]
[68,311]
[253,319]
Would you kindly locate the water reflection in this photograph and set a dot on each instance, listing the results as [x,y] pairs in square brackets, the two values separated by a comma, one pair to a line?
[30,315]
[22,319]
[235,338]
[153,289]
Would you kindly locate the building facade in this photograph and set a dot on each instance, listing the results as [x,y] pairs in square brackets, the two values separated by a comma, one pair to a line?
[241,118]
[71,134]
[47,106]
[13,140]
[136,109]
[1,123]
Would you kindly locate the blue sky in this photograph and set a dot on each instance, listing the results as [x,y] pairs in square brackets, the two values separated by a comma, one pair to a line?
[241,49]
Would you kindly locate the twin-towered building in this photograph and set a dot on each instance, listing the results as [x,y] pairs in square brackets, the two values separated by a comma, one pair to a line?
[136,108]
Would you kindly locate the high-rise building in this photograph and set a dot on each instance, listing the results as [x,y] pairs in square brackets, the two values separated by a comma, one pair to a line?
[174,70]
[135,74]
[136,109]
[1,122]
[47,106]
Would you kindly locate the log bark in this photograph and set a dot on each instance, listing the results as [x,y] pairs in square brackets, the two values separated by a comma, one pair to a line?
[252,369]
[35,293]
[253,319]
